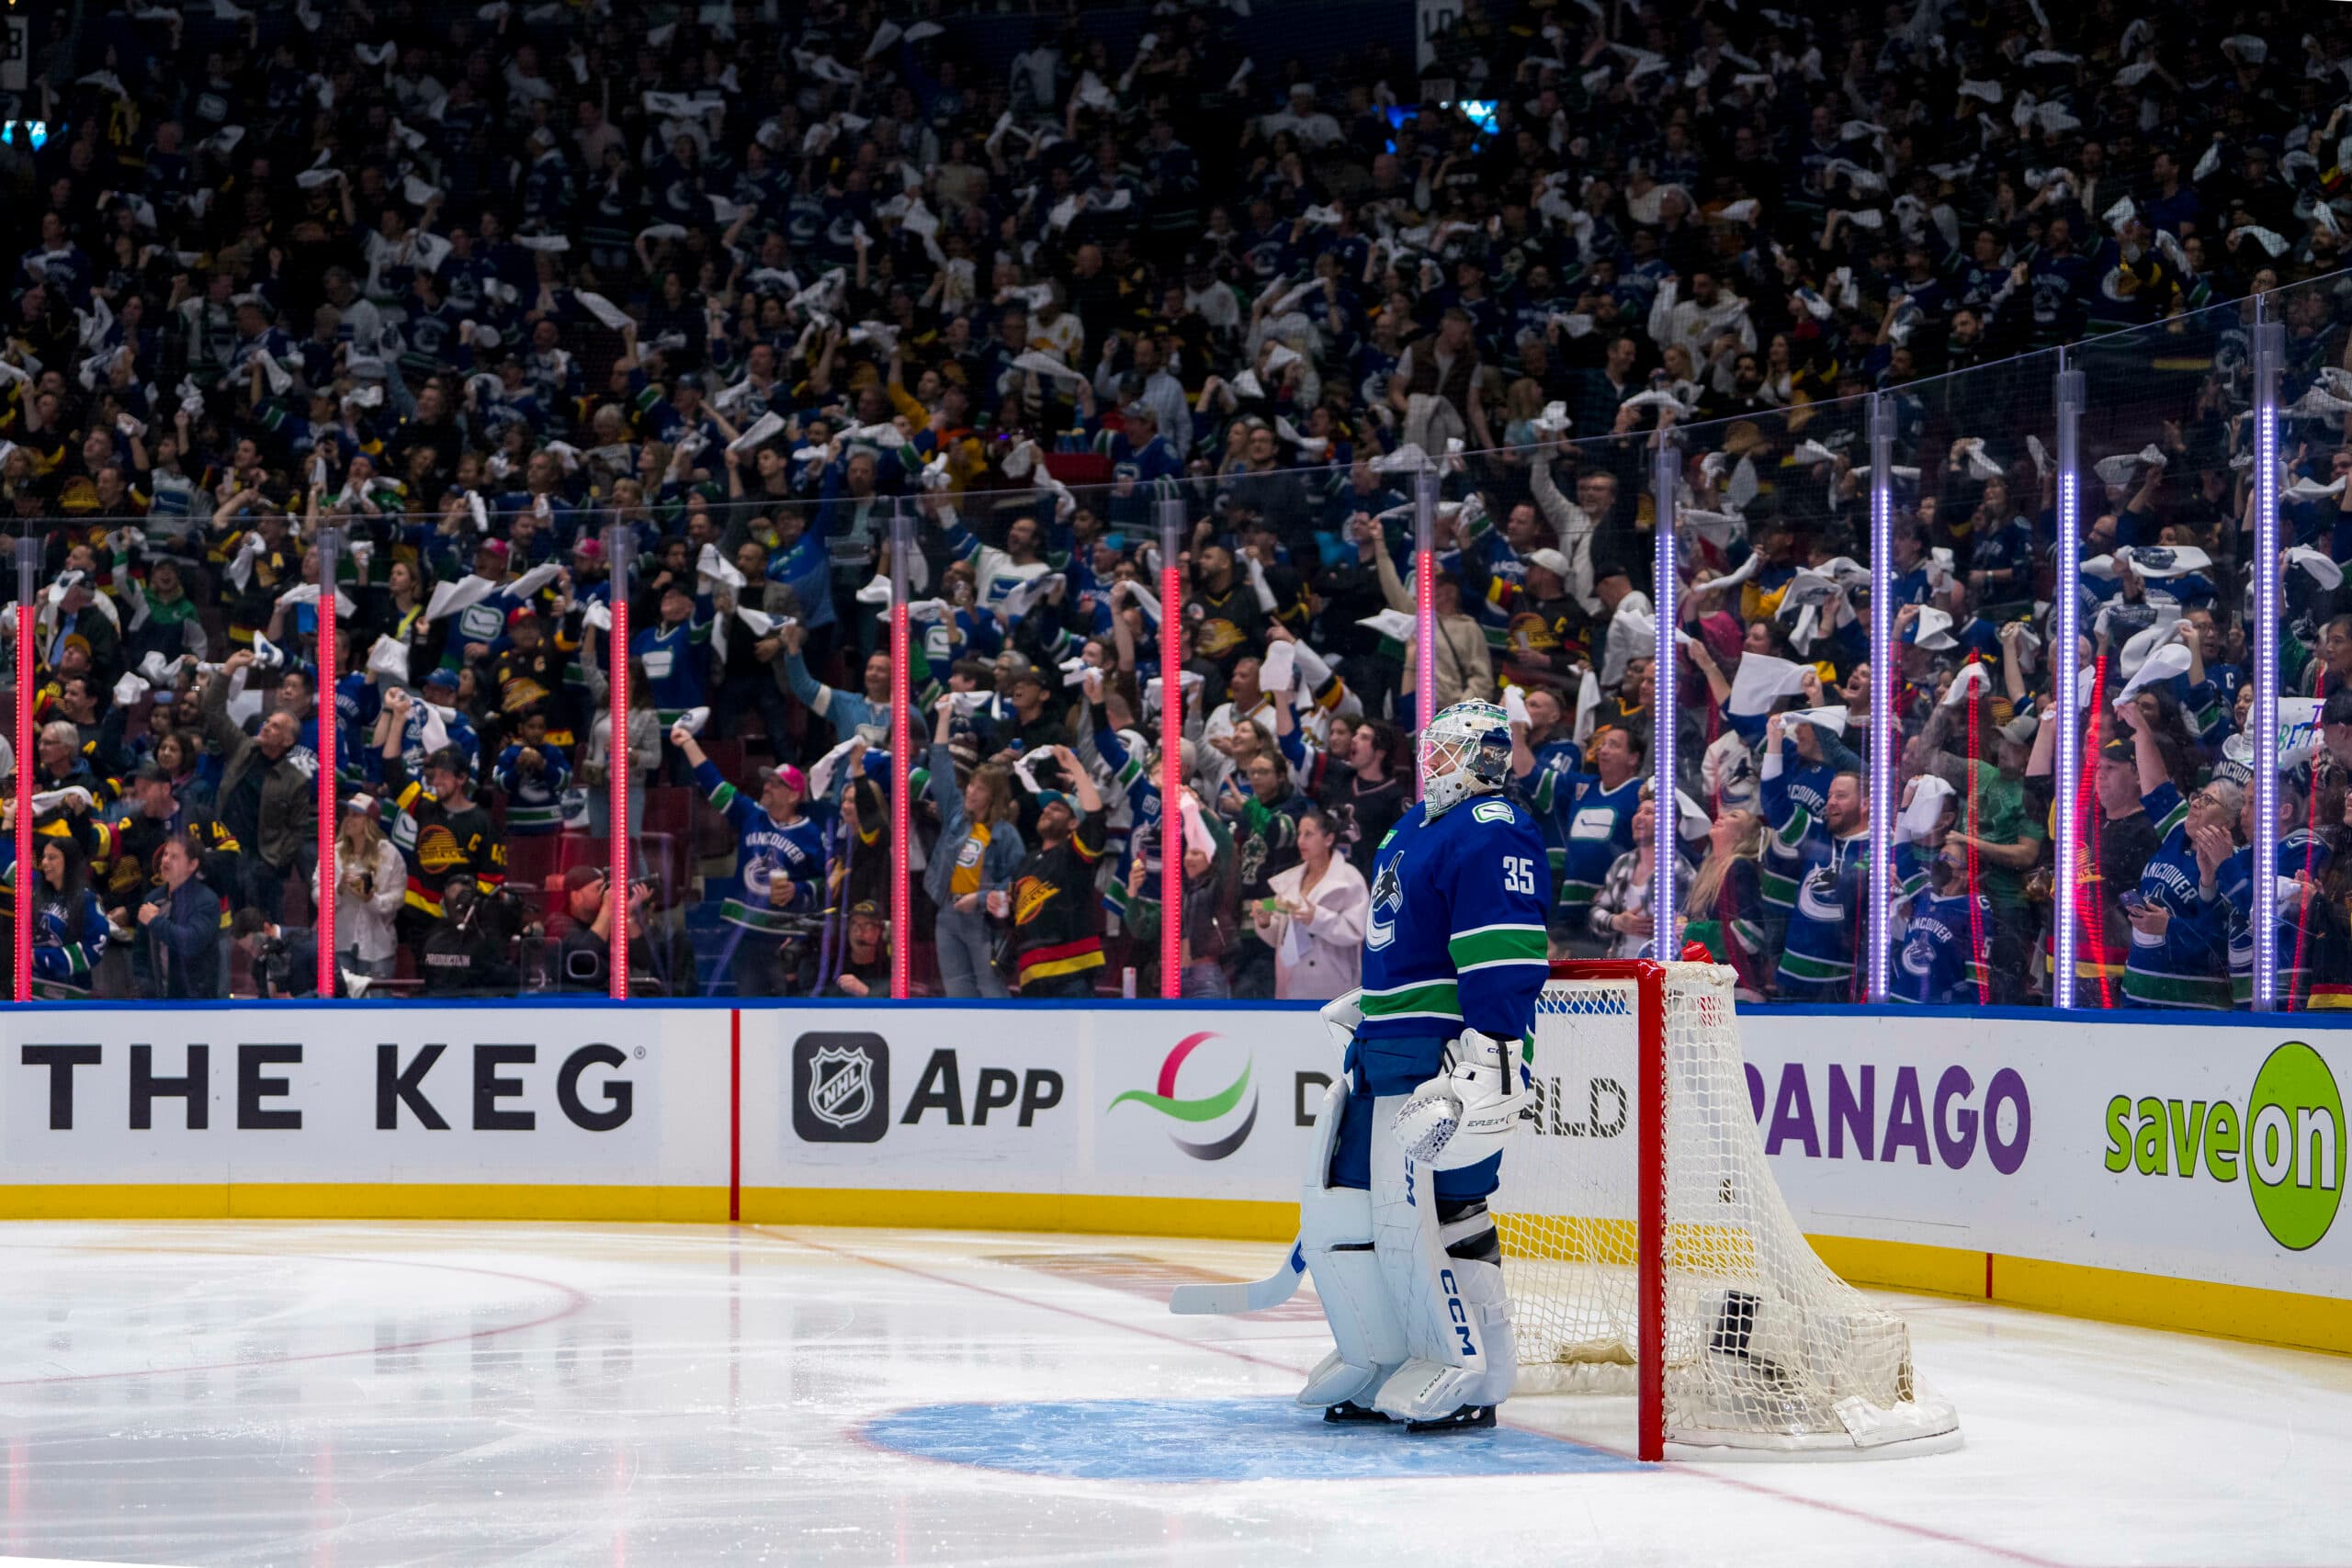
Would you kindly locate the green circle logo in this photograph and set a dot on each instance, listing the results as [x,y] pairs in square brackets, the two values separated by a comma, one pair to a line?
[2294,1146]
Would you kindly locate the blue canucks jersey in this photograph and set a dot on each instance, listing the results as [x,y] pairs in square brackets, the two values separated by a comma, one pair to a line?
[1593,824]
[1825,925]
[2187,966]
[1934,964]
[2300,854]
[1793,797]
[1455,937]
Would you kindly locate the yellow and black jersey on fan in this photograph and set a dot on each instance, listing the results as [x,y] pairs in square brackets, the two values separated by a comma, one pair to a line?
[436,842]
[1228,624]
[1056,914]
[122,845]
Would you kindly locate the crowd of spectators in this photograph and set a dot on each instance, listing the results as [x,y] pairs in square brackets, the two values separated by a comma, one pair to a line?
[468,314]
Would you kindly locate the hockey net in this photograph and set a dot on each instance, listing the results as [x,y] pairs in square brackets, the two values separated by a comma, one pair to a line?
[1648,1250]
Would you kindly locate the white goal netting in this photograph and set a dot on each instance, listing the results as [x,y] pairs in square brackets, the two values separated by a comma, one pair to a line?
[1765,1349]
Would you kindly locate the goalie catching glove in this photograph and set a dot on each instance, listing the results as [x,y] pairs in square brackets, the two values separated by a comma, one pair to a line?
[1468,1111]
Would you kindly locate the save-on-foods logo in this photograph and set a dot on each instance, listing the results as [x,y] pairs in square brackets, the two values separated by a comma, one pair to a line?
[1209,1109]
[2288,1140]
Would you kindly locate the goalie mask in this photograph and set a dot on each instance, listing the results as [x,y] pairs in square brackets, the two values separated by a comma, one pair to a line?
[1464,751]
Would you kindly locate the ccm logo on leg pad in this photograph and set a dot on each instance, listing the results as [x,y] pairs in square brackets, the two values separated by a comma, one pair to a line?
[1453,1309]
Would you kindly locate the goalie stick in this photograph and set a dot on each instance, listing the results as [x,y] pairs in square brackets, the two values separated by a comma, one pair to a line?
[1254,1296]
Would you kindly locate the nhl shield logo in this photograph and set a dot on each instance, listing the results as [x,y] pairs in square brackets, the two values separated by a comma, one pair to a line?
[841,1087]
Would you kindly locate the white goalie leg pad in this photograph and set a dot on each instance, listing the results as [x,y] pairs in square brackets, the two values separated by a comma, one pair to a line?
[1454,1311]
[1334,1235]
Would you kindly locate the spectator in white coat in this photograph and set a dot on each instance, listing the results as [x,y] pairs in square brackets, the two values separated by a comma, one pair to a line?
[370,883]
[1316,926]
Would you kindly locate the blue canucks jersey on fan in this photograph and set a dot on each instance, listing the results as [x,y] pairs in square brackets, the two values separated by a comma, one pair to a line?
[1593,824]
[1826,926]
[2300,854]
[1793,794]
[1455,937]
[1933,965]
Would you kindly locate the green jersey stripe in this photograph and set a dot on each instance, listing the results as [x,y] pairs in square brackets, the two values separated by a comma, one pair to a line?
[1428,999]
[1491,944]
[1803,968]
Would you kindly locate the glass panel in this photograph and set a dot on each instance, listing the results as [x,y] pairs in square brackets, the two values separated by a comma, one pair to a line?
[2308,525]
[2165,586]
[1973,490]
[739,831]
[1775,703]
[763,852]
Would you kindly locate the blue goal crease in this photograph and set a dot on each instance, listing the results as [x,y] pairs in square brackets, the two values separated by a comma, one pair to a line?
[1174,1441]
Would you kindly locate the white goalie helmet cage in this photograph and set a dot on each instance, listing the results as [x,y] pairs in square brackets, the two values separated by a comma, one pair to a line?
[1464,751]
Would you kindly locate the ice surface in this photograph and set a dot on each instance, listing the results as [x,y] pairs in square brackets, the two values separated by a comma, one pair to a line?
[365,1394]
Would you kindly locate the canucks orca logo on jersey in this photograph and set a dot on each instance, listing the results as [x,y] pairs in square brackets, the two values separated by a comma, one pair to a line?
[1815,895]
[1387,893]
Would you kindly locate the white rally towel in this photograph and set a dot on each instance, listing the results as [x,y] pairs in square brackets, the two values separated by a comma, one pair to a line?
[2162,665]
[1040,363]
[1920,818]
[1971,679]
[1762,679]
[388,657]
[604,309]
[2319,563]
[538,577]
[1588,703]
[48,800]
[1190,682]
[821,773]
[1279,669]
[449,598]
[765,428]
[308,593]
[1691,819]
[712,567]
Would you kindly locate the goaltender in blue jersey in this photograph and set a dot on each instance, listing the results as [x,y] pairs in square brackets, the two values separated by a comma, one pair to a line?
[1393,1220]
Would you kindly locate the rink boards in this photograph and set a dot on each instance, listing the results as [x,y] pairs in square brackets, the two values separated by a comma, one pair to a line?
[2136,1168]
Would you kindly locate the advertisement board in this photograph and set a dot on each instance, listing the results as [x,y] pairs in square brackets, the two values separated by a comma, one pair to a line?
[1189,1121]
[354,1113]
[2183,1174]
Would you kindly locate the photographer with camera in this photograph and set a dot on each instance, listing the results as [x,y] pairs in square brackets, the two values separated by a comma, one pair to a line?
[285,959]
[865,960]
[465,952]
[180,922]
[583,930]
